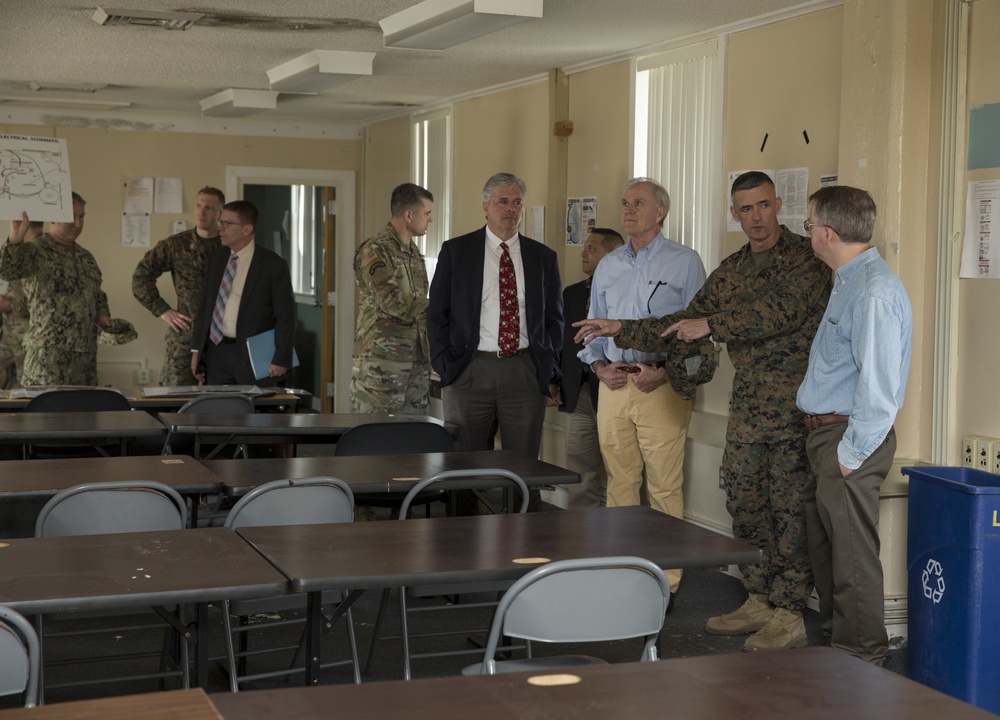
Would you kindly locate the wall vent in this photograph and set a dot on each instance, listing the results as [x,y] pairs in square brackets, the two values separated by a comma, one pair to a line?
[148,18]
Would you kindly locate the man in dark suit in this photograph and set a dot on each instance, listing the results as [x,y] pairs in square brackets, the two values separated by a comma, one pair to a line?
[495,326]
[248,290]
[578,391]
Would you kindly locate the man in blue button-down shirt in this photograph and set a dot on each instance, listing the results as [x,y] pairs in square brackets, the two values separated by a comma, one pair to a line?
[851,393]
[641,422]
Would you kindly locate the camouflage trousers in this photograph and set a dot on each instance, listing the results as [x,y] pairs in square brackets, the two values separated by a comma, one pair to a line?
[57,366]
[379,386]
[11,364]
[177,360]
[764,493]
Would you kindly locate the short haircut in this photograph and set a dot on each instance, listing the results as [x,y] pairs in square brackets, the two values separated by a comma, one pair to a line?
[78,199]
[502,180]
[214,192]
[749,181]
[245,210]
[848,211]
[659,192]
[610,239]
[406,197]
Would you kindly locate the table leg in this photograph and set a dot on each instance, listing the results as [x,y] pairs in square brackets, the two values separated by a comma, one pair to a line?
[314,636]
[201,646]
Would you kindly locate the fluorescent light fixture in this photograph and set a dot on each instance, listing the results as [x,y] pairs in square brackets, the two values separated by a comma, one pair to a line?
[238,103]
[320,70]
[440,24]
[147,18]
[75,103]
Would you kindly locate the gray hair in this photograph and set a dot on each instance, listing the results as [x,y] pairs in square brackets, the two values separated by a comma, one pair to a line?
[659,192]
[502,180]
[848,211]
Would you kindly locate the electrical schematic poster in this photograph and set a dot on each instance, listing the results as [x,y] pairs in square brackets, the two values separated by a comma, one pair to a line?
[34,178]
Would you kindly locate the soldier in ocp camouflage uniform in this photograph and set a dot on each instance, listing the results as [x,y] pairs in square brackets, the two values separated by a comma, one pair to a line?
[65,302]
[185,257]
[765,302]
[391,370]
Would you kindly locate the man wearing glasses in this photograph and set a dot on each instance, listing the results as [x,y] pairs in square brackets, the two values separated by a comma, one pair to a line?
[185,257]
[852,391]
[248,290]
[641,421]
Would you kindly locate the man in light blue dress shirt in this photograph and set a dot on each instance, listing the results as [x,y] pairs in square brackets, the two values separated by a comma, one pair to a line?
[641,422]
[852,391]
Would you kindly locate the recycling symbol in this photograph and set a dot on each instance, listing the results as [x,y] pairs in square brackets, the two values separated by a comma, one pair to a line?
[932,579]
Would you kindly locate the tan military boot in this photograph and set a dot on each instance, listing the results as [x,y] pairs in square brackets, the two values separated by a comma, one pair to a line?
[750,617]
[784,630]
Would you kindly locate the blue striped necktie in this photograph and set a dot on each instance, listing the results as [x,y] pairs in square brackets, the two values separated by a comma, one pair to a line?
[215,335]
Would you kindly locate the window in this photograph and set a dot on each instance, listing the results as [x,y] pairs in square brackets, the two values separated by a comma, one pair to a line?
[432,170]
[678,141]
[306,221]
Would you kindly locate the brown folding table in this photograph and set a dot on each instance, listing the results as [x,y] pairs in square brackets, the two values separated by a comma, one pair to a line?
[365,556]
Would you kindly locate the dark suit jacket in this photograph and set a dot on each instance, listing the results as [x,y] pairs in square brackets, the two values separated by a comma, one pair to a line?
[456,298]
[575,301]
[267,302]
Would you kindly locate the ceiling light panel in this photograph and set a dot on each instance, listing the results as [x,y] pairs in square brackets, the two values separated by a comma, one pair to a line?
[440,24]
[320,70]
[147,18]
[239,103]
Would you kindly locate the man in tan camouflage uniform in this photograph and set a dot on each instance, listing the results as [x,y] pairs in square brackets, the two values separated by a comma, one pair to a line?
[62,283]
[14,307]
[391,370]
[765,302]
[185,257]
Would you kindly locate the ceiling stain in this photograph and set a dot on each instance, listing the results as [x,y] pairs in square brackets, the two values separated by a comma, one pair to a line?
[267,23]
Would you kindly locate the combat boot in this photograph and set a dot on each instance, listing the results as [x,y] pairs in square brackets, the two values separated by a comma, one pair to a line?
[785,630]
[750,617]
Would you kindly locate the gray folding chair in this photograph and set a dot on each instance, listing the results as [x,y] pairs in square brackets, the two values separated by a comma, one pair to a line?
[449,480]
[219,403]
[395,438]
[302,501]
[75,400]
[573,601]
[20,657]
[119,507]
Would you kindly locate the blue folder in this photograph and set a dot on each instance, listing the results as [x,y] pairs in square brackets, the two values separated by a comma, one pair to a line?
[261,349]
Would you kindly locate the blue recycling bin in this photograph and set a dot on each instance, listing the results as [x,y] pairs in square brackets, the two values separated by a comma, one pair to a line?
[953,582]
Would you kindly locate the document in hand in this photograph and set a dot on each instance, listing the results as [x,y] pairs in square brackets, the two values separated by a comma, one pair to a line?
[261,349]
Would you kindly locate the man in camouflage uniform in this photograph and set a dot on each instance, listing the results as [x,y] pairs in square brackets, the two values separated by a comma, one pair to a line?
[391,370]
[14,307]
[185,257]
[62,284]
[765,302]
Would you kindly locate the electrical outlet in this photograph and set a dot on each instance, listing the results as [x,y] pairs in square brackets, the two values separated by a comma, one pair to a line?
[982,452]
[969,451]
[994,457]
[143,377]
[722,479]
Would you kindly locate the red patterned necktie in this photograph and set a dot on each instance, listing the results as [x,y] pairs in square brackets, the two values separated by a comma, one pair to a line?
[509,335]
[225,287]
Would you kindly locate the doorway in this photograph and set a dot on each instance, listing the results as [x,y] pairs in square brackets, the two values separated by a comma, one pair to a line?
[308,217]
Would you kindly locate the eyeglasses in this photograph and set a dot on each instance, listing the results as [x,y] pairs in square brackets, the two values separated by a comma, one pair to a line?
[226,224]
[810,225]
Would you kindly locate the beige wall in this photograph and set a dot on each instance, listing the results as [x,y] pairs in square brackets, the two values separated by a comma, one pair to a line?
[598,163]
[501,132]
[979,344]
[103,161]
[387,163]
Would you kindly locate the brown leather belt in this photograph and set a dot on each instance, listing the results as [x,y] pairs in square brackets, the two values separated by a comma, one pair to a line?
[499,353]
[636,368]
[814,422]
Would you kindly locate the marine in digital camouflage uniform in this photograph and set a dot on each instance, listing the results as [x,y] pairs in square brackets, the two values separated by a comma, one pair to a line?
[65,302]
[15,324]
[766,307]
[185,257]
[391,371]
